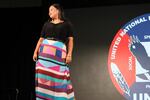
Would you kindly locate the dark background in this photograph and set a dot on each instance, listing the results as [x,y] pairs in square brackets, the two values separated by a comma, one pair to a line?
[95,24]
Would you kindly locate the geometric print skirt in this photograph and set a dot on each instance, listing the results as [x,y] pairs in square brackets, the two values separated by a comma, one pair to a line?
[52,77]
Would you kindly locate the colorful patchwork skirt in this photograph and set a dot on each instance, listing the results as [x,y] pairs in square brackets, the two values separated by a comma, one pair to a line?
[52,74]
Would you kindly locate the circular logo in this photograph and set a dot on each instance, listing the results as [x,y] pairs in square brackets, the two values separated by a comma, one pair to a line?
[129,59]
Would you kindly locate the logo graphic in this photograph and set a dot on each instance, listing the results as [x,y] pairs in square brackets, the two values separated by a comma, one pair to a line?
[129,59]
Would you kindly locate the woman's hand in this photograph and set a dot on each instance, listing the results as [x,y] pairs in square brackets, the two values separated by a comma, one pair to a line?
[68,59]
[70,49]
[35,57]
[37,49]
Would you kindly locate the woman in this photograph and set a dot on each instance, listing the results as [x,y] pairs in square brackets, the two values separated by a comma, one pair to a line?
[54,53]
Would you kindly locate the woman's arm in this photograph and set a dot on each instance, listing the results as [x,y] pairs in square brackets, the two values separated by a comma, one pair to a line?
[37,48]
[70,50]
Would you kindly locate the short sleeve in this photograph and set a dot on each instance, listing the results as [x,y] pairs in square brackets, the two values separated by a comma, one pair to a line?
[43,32]
[70,30]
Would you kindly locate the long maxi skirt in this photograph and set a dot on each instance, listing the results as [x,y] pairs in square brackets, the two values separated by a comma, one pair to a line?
[52,78]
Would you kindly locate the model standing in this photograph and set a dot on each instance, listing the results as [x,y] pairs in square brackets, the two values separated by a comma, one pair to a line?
[52,54]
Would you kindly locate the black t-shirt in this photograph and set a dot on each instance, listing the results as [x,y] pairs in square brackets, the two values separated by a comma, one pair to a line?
[60,31]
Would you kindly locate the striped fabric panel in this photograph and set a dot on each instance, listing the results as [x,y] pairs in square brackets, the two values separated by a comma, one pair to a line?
[38,97]
[51,78]
[52,74]
[47,82]
[57,89]
[53,71]
[52,60]
[53,95]
[42,96]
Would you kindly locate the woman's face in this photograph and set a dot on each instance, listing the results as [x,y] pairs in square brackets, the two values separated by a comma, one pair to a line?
[53,12]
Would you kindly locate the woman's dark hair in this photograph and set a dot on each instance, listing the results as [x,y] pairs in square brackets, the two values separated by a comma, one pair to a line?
[61,11]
